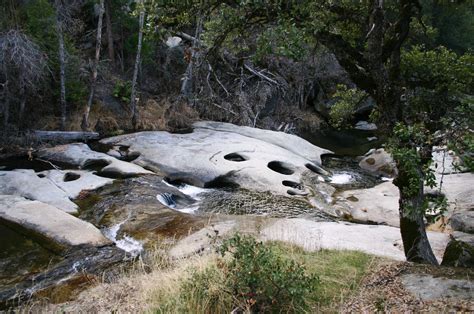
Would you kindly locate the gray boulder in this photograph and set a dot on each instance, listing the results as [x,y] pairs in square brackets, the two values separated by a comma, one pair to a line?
[222,154]
[80,155]
[52,226]
[460,251]
[378,161]
[378,204]
[26,183]
[463,221]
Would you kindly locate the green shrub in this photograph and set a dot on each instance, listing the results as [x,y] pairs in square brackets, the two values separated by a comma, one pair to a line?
[251,277]
[122,91]
[347,99]
[263,281]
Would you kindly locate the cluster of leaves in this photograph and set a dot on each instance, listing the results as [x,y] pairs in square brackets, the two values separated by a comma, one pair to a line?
[251,277]
[122,91]
[342,110]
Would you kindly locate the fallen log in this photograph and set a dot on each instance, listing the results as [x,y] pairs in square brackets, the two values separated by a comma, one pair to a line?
[65,135]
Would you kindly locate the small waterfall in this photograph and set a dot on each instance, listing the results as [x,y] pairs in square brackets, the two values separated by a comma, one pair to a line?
[126,243]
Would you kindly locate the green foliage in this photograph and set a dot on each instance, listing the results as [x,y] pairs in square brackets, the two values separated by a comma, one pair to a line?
[250,277]
[264,281]
[282,40]
[347,99]
[122,91]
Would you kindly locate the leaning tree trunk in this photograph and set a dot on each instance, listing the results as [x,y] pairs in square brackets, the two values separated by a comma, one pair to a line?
[110,35]
[133,102]
[85,118]
[412,225]
[193,54]
[62,69]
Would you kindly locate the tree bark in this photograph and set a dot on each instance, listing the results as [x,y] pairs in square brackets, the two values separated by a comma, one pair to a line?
[62,68]
[186,85]
[412,226]
[133,102]
[85,118]
[110,35]
[22,105]
[6,93]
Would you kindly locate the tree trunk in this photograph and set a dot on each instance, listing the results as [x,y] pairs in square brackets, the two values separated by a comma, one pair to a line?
[186,85]
[133,102]
[110,36]
[412,225]
[85,118]
[6,93]
[22,105]
[62,68]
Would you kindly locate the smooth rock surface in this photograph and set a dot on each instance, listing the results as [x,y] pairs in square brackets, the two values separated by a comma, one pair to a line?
[293,143]
[378,161]
[208,158]
[26,183]
[80,155]
[74,181]
[445,161]
[378,204]
[373,239]
[463,221]
[201,240]
[48,222]
[458,189]
[428,287]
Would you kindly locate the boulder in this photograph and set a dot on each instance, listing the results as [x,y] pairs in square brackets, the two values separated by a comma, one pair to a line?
[460,250]
[80,155]
[372,239]
[429,288]
[445,161]
[379,162]
[458,189]
[28,184]
[463,221]
[222,154]
[378,204]
[52,226]
[365,126]
[290,142]
[74,181]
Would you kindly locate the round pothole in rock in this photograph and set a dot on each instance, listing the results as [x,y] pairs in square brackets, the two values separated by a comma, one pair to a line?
[281,167]
[315,169]
[292,184]
[41,175]
[71,176]
[235,157]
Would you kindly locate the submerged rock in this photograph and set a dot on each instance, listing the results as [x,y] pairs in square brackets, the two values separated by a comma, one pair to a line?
[26,183]
[81,266]
[53,227]
[81,156]
[223,155]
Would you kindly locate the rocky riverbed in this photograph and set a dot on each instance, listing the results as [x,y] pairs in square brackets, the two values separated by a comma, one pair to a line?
[91,208]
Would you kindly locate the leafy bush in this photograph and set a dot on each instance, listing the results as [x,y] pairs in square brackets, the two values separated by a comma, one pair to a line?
[262,281]
[250,276]
[123,91]
[346,101]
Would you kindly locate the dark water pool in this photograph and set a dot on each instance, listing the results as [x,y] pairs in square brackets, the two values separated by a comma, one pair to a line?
[344,142]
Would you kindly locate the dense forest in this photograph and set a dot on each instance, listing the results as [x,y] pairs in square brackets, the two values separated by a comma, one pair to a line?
[405,68]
